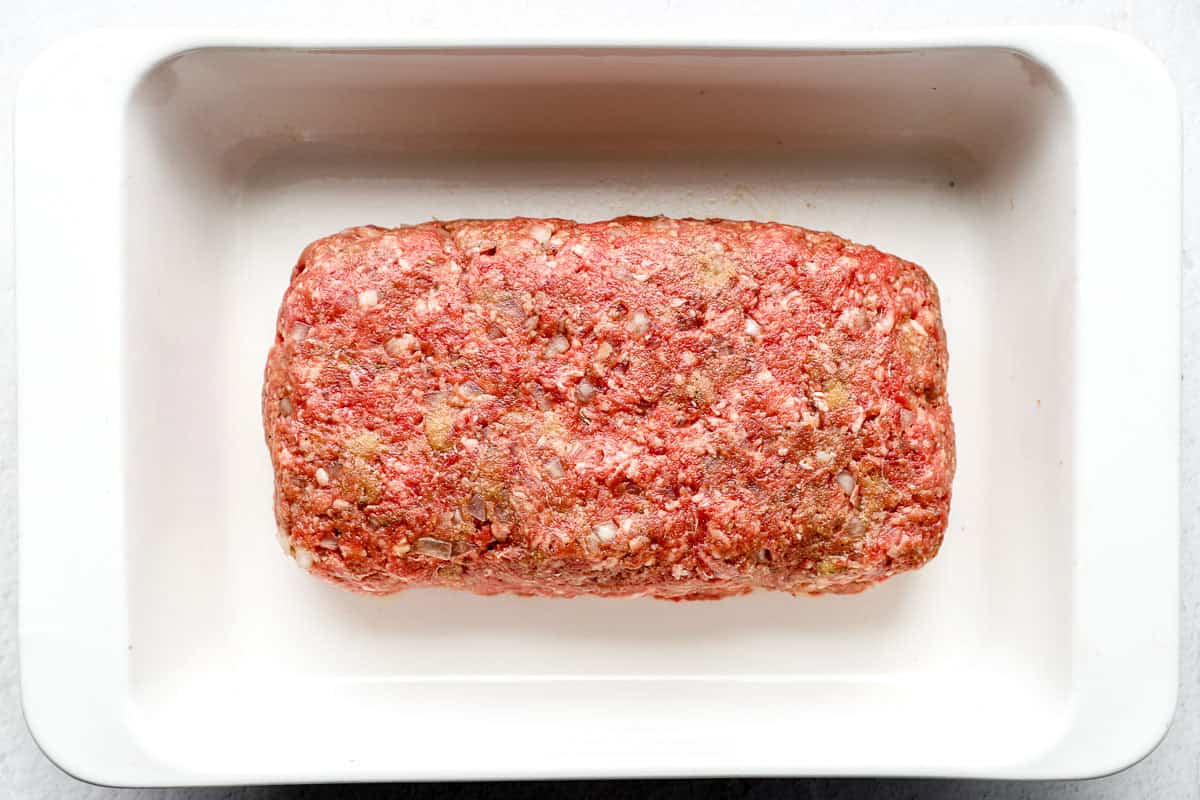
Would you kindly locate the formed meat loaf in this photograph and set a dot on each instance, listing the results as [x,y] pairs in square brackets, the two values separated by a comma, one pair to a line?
[644,406]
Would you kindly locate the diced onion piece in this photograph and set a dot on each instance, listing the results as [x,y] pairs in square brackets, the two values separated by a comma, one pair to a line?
[476,507]
[752,327]
[470,390]
[846,481]
[399,346]
[557,344]
[585,391]
[367,298]
[639,324]
[437,548]
[554,469]
[541,233]
[322,477]
[300,331]
[887,321]
[606,531]
[285,406]
[303,558]
[539,397]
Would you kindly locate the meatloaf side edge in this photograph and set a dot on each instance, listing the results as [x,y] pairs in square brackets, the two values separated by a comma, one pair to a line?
[673,408]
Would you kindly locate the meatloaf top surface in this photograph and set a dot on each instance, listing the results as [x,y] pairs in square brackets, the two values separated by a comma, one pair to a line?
[650,406]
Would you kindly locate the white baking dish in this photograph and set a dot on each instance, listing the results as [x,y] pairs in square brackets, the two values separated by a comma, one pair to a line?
[165,185]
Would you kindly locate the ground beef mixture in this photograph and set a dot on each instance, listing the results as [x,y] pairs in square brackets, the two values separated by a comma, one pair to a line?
[671,408]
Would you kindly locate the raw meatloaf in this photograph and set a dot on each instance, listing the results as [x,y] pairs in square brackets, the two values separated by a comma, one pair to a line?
[645,406]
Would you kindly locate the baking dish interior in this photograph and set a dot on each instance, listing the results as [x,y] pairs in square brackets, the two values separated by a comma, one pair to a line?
[958,159]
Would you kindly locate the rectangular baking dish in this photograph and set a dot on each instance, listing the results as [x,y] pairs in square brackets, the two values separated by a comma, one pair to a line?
[167,181]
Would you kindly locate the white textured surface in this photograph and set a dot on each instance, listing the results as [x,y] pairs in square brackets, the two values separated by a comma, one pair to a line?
[1169,28]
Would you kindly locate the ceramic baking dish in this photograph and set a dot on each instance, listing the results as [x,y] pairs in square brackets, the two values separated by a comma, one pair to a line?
[166,183]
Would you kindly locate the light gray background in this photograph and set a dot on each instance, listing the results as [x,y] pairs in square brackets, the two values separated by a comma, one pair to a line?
[1170,27]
